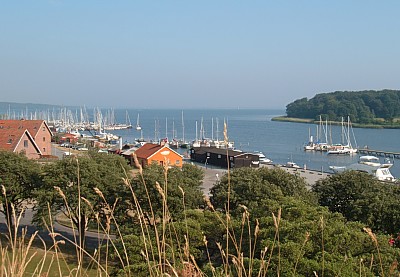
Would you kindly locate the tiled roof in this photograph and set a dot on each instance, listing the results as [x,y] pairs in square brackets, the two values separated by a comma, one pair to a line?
[147,150]
[10,138]
[33,126]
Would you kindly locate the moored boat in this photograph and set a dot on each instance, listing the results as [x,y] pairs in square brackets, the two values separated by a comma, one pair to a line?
[262,158]
[370,165]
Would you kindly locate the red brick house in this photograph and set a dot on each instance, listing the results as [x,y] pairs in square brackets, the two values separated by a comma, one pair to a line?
[19,140]
[39,136]
[160,154]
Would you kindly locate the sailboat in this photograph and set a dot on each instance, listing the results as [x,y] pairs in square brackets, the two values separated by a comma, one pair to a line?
[183,143]
[128,121]
[138,127]
[344,148]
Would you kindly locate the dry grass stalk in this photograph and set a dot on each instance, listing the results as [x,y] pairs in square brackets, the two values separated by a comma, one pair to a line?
[306,238]
[144,227]
[322,244]
[208,255]
[17,254]
[276,239]
[374,239]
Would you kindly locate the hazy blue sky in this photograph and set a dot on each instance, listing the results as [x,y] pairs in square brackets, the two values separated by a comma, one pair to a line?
[190,54]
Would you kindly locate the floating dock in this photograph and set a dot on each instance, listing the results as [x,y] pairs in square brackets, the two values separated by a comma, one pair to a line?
[395,155]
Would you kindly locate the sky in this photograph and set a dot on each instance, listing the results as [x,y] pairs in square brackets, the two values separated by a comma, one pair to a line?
[194,54]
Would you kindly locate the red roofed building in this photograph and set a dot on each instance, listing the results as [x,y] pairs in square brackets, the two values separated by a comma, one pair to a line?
[156,153]
[31,136]
[17,141]
[69,138]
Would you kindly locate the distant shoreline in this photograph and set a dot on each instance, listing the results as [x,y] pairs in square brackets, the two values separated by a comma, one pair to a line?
[355,125]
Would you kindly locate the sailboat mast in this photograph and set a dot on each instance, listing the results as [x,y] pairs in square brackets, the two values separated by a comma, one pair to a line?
[196,132]
[183,129]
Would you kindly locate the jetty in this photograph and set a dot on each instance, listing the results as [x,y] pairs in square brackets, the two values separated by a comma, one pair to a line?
[394,155]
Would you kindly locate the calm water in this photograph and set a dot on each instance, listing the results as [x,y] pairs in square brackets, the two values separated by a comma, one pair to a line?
[253,130]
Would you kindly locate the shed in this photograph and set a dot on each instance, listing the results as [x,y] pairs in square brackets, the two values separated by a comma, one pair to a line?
[219,157]
[149,153]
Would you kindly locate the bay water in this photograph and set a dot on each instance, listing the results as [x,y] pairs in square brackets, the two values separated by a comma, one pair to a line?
[252,130]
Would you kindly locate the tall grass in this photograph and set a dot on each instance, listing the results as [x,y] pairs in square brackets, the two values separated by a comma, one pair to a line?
[163,250]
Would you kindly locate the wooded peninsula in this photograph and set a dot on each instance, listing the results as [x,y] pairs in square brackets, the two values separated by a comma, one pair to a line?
[369,108]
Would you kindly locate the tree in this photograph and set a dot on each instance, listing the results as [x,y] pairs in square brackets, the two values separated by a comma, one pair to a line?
[361,197]
[361,106]
[311,238]
[250,186]
[82,188]
[19,177]
[187,180]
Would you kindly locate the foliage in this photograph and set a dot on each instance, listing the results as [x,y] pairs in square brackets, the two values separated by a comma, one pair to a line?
[70,183]
[20,177]
[303,237]
[362,106]
[361,197]
[276,226]
[252,186]
[187,179]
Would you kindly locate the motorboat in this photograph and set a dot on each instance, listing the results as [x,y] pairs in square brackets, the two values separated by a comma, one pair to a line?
[371,165]
[262,158]
[292,165]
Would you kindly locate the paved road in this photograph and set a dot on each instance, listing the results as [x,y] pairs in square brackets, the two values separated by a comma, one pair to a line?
[311,176]
[92,238]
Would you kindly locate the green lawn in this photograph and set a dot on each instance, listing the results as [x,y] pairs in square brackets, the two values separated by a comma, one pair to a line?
[66,264]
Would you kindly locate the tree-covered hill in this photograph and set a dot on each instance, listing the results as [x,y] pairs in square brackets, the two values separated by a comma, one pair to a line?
[364,107]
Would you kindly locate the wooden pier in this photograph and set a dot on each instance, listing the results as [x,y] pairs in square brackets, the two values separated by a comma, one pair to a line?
[394,155]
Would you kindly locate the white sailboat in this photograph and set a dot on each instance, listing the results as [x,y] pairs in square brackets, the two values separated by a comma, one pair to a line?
[346,147]
[138,127]
[183,143]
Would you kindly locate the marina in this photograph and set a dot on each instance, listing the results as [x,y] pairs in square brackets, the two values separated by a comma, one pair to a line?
[251,130]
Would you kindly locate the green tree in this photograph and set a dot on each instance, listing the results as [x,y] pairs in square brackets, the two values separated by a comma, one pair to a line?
[20,178]
[361,197]
[251,186]
[310,237]
[361,106]
[187,179]
[70,188]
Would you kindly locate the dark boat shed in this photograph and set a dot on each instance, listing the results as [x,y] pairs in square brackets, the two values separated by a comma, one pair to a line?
[218,157]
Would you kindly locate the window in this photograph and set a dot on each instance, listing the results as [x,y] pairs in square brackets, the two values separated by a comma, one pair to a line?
[219,156]
[44,139]
[231,158]
[208,154]
[44,128]
[9,141]
[26,143]
[44,149]
[177,162]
